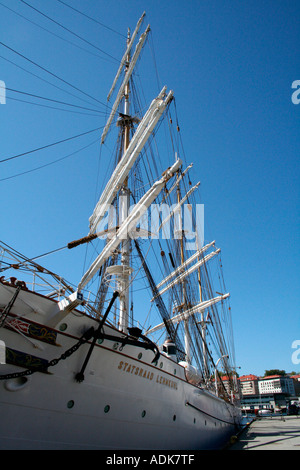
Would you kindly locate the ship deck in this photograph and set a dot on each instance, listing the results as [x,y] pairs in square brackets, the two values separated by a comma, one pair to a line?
[270,433]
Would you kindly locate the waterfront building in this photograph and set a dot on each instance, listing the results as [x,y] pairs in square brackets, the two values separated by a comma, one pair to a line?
[248,385]
[272,392]
[276,384]
[296,379]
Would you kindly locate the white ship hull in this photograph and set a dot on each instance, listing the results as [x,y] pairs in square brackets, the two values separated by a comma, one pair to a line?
[124,401]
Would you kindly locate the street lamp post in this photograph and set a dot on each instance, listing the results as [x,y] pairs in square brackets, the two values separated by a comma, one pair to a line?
[216,385]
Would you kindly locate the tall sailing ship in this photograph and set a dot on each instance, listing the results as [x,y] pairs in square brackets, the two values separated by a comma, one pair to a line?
[105,364]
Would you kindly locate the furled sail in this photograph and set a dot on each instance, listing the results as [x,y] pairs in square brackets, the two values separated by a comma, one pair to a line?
[125,82]
[193,268]
[124,58]
[187,313]
[184,265]
[130,223]
[136,145]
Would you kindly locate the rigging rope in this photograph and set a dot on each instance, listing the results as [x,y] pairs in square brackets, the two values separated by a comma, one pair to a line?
[51,163]
[52,100]
[52,107]
[52,33]
[43,79]
[48,145]
[52,74]
[92,19]
[69,31]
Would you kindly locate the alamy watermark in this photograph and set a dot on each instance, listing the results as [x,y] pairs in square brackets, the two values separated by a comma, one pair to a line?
[159,221]
[2,92]
[296,94]
[296,353]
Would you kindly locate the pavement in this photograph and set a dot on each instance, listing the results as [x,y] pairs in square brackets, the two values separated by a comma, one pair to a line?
[269,433]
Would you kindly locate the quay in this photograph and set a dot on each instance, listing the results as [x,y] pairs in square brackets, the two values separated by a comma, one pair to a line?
[269,433]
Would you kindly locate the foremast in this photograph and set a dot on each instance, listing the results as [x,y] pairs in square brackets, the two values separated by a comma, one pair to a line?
[124,206]
[117,186]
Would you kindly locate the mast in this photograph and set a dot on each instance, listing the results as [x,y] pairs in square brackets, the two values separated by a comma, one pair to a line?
[117,186]
[183,303]
[127,102]
[124,206]
[202,324]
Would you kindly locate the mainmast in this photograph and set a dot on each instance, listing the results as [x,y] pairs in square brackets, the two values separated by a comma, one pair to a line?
[124,203]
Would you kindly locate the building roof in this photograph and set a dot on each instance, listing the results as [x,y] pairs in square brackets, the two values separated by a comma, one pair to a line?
[271,377]
[245,378]
[225,377]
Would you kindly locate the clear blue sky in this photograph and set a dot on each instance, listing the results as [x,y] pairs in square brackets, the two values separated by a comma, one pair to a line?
[231,65]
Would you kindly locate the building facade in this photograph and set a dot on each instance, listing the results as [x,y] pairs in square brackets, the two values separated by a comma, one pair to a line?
[296,379]
[276,384]
[248,385]
[271,393]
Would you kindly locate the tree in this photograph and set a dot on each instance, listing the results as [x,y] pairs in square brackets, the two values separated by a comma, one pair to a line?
[274,372]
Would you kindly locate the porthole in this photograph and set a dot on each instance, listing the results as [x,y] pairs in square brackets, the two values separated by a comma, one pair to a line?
[161,365]
[70,404]
[115,346]
[140,355]
[205,422]
[194,420]
[143,414]
[175,371]
[106,409]
[100,340]
[63,327]
[174,418]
